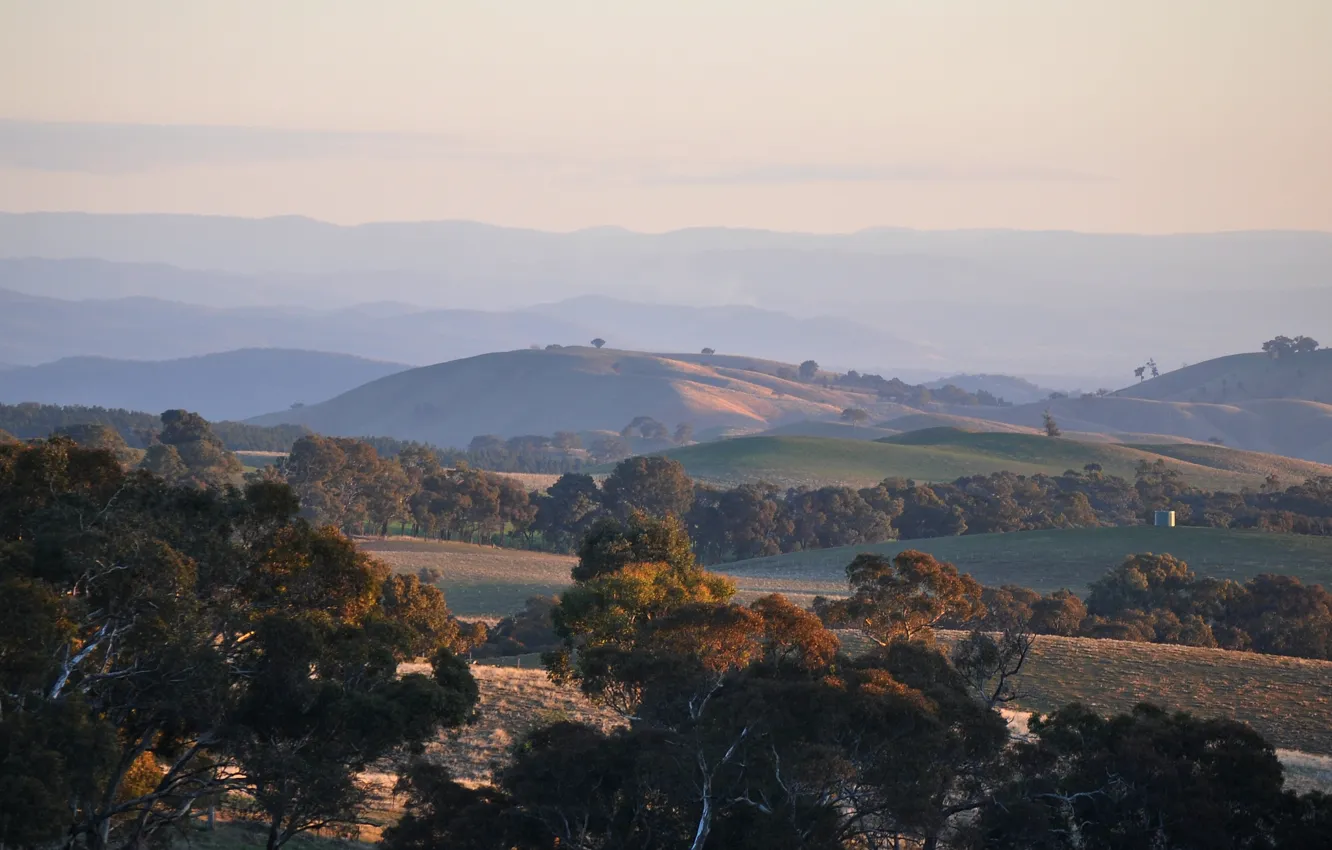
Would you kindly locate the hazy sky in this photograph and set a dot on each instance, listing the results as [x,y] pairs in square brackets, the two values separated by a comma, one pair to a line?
[827,115]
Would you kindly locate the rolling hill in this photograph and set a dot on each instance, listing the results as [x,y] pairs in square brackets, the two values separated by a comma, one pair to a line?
[1297,428]
[1243,377]
[569,389]
[230,385]
[937,454]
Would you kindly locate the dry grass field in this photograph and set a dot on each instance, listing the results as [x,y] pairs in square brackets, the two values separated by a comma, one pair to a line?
[1288,700]
[479,581]
[514,701]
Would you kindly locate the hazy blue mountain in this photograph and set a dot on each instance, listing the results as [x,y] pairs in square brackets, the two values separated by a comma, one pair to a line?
[989,300]
[230,385]
[37,329]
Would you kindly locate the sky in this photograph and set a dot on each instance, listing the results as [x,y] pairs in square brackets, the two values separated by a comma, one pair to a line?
[1146,116]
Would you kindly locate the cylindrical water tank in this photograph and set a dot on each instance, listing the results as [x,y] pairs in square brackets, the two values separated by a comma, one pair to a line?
[1165,519]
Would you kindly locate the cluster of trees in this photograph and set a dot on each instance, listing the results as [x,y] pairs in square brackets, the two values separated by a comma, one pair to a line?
[344,482]
[1158,599]
[1284,346]
[897,390]
[165,646]
[32,421]
[746,726]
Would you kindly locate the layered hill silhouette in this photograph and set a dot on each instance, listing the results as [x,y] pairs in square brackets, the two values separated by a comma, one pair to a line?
[231,385]
[1246,401]
[585,389]
[98,319]
[1093,297]
[1243,377]
[571,389]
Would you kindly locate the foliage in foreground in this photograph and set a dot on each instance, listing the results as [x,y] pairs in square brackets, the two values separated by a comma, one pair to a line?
[164,645]
[746,727]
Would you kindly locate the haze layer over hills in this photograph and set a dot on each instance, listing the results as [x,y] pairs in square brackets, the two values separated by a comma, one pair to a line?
[37,329]
[232,385]
[1017,302]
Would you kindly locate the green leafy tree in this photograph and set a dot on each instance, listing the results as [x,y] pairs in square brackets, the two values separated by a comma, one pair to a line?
[209,462]
[613,544]
[567,510]
[905,597]
[98,436]
[808,370]
[177,643]
[655,485]
[1148,778]
[855,415]
[598,342]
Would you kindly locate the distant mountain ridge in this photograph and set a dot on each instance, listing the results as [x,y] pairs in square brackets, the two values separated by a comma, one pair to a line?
[231,385]
[1083,299]
[36,329]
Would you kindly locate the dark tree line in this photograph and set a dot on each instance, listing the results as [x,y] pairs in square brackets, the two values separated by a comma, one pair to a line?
[32,421]
[1158,599]
[347,483]
[166,645]
[746,726]
[897,390]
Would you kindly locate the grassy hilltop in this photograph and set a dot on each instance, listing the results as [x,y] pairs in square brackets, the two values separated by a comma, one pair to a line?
[944,454]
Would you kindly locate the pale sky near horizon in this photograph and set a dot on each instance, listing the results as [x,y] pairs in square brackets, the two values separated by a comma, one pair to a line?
[1098,115]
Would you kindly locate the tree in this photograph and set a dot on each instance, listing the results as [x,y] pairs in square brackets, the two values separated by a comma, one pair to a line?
[192,453]
[1151,366]
[612,544]
[567,441]
[1140,373]
[808,370]
[610,448]
[855,415]
[684,433]
[1051,426]
[656,485]
[647,428]
[989,662]
[1143,779]
[98,436]
[567,510]
[709,351]
[598,342]
[905,597]
[169,642]
[1060,613]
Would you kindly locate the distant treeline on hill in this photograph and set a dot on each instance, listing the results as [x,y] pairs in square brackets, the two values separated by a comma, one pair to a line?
[897,390]
[31,421]
[346,482]
[563,452]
